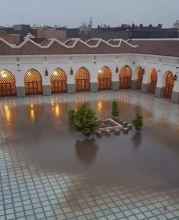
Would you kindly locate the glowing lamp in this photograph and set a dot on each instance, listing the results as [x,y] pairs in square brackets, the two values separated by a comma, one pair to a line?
[4,75]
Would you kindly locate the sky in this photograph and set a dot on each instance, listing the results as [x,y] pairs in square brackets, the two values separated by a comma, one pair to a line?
[73,12]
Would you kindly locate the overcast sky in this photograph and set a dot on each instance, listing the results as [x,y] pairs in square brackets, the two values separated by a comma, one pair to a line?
[73,12]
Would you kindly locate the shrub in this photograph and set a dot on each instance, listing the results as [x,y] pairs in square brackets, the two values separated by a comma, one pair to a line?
[138,121]
[86,121]
[71,115]
[115,110]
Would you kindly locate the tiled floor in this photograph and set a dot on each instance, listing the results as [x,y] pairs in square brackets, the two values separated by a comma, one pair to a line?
[28,191]
[161,108]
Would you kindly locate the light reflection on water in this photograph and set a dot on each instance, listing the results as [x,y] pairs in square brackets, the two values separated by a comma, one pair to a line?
[7,113]
[53,143]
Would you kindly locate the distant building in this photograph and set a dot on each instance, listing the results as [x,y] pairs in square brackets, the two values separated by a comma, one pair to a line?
[50,32]
[176,25]
[152,32]
[19,31]
[109,33]
[10,38]
[134,32]
[73,32]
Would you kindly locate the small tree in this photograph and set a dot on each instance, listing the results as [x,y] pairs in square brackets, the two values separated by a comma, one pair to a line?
[71,115]
[138,121]
[115,110]
[86,121]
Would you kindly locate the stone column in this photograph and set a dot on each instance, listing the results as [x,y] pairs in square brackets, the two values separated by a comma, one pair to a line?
[115,76]
[46,80]
[71,78]
[175,93]
[175,97]
[94,68]
[160,89]
[20,89]
[115,85]
[133,84]
[159,92]
[134,77]
[145,88]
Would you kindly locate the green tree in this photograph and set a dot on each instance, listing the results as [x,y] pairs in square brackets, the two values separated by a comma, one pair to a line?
[86,121]
[138,121]
[115,110]
[71,115]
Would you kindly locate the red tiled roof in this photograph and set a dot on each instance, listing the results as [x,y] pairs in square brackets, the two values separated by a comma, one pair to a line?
[55,47]
[114,42]
[92,46]
[92,42]
[38,40]
[157,47]
[70,42]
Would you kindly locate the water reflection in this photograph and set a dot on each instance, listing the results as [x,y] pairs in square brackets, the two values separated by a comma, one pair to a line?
[86,151]
[99,106]
[137,140]
[7,113]
[32,115]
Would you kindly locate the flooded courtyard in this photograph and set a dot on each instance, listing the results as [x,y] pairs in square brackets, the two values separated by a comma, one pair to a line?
[48,171]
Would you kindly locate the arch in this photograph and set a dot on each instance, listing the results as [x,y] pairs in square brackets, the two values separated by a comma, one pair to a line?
[153,77]
[169,85]
[33,82]
[139,72]
[104,78]
[125,77]
[58,80]
[82,80]
[7,83]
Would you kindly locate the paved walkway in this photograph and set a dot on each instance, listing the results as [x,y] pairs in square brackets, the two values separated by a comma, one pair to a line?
[28,192]
[162,109]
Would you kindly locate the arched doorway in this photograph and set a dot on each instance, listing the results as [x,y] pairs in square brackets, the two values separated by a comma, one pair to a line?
[125,77]
[169,85]
[82,80]
[104,78]
[58,81]
[140,77]
[7,83]
[153,83]
[33,82]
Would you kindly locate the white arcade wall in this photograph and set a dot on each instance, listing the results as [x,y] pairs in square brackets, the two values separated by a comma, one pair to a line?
[18,66]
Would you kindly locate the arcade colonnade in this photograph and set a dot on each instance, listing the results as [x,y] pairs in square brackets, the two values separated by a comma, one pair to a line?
[45,77]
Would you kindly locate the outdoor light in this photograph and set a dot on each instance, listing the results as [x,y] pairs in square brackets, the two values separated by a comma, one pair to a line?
[175,77]
[4,75]
[46,72]
[133,62]
[117,70]
[18,65]
[71,71]
[143,71]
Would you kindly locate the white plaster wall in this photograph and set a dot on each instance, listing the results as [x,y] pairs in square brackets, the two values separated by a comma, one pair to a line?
[93,65]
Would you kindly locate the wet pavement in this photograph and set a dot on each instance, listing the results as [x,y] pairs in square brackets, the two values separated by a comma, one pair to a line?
[48,171]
